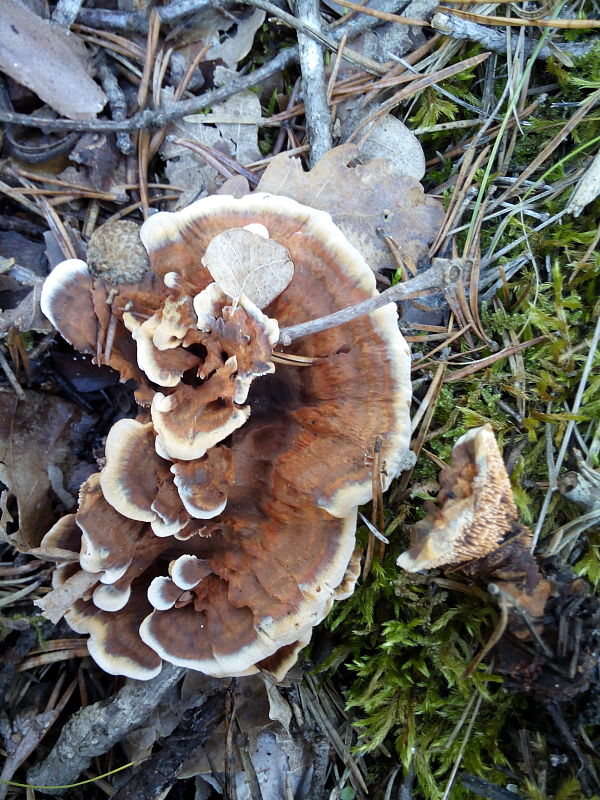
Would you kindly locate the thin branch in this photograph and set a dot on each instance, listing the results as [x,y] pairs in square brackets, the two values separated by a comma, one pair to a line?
[494,39]
[137,21]
[161,770]
[442,275]
[311,30]
[160,117]
[318,117]
[96,728]
[65,12]
[118,106]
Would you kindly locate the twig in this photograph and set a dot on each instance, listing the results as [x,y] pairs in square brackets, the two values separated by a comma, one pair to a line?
[65,12]
[118,106]
[137,21]
[324,39]
[160,117]
[11,377]
[483,788]
[440,276]
[94,729]
[496,40]
[318,118]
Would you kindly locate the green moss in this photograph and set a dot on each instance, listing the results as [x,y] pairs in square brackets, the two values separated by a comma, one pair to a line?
[403,643]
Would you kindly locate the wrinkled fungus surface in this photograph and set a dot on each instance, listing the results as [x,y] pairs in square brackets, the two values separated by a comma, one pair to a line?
[221,528]
[475,513]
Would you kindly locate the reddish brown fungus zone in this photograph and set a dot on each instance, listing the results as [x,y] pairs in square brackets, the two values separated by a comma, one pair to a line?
[221,528]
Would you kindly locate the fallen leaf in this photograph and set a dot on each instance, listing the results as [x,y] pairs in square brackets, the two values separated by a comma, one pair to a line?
[35,436]
[233,48]
[49,61]
[280,759]
[279,708]
[242,137]
[26,315]
[243,262]
[364,201]
[98,153]
[389,138]
[588,190]
[187,170]
[21,283]
[231,127]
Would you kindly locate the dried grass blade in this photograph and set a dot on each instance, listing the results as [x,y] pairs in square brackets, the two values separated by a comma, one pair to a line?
[447,341]
[569,126]
[143,160]
[485,19]
[110,41]
[459,374]
[465,178]
[149,58]
[52,658]
[292,360]
[384,15]
[418,85]
[221,162]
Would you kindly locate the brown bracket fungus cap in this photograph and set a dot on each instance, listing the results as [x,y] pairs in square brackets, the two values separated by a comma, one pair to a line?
[476,510]
[222,527]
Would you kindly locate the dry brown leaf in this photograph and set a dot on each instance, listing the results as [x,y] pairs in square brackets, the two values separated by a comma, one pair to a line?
[242,261]
[25,268]
[26,315]
[232,128]
[36,436]
[48,61]
[364,201]
[241,136]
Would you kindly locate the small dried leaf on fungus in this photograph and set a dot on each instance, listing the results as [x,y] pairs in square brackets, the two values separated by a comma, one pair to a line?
[244,262]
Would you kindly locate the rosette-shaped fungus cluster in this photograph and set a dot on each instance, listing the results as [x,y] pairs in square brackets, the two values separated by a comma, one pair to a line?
[221,527]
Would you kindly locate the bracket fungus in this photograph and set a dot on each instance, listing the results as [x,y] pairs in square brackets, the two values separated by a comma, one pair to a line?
[222,526]
[476,511]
